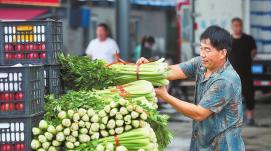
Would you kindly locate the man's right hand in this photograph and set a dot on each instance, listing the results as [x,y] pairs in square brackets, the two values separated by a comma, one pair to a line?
[142,60]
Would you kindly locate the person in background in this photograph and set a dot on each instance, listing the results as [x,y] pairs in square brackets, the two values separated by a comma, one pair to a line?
[147,47]
[138,48]
[103,47]
[243,52]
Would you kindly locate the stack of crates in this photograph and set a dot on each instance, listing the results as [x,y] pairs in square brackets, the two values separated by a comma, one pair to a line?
[28,71]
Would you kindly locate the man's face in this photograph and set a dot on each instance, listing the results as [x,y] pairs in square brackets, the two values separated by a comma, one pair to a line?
[101,33]
[210,56]
[237,27]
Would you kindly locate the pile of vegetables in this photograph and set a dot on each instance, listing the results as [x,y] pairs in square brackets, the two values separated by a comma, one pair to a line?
[83,125]
[98,115]
[88,99]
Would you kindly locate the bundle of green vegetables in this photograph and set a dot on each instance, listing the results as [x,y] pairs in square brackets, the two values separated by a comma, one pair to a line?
[134,90]
[86,99]
[83,125]
[156,72]
[82,73]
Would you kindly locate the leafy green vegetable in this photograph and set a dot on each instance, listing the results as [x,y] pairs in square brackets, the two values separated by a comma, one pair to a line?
[82,73]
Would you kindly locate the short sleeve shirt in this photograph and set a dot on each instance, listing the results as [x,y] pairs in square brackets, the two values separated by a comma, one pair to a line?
[221,94]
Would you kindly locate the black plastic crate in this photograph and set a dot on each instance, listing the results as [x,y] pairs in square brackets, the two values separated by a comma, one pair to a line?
[52,80]
[21,90]
[30,42]
[16,133]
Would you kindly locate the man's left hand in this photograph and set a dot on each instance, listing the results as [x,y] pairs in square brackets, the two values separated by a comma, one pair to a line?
[161,92]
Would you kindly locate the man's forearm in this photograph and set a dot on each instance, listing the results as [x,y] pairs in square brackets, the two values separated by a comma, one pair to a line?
[176,73]
[190,110]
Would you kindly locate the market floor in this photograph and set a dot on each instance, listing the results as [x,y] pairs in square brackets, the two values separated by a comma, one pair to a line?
[256,138]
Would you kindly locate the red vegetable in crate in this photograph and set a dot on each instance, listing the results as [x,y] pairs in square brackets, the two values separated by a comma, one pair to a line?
[8,47]
[9,106]
[7,96]
[19,47]
[2,106]
[42,46]
[19,147]
[3,147]
[19,56]
[8,56]
[19,96]
[19,106]
[33,56]
[43,55]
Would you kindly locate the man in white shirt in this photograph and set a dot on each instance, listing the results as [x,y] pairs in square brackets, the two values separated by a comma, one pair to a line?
[103,47]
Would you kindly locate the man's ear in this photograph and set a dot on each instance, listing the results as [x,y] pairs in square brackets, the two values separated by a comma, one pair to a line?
[224,53]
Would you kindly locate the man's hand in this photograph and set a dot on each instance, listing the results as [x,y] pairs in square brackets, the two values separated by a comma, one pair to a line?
[142,60]
[161,92]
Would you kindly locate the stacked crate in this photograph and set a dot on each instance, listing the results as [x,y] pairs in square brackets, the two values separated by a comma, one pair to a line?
[28,70]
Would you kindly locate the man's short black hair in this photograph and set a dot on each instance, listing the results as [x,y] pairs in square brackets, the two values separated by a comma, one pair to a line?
[219,38]
[237,19]
[104,26]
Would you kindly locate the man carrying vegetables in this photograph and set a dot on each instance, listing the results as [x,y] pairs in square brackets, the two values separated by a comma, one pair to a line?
[217,109]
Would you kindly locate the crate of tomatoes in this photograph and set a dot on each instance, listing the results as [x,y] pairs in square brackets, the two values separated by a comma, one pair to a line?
[30,42]
[21,90]
[16,133]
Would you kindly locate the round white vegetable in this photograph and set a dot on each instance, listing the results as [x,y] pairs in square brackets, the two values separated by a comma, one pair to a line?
[36,131]
[60,136]
[67,131]
[43,125]
[82,112]
[66,122]
[46,145]
[59,128]
[95,118]
[48,136]
[90,112]
[62,115]
[42,138]
[56,143]
[70,113]
[121,148]
[51,129]
[35,144]
[75,126]
[76,117]
[100,147]
[83,138]
[69,145]
[81,124]
[85,118]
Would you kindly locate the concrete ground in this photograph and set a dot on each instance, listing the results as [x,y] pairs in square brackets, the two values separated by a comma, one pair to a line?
[256,138]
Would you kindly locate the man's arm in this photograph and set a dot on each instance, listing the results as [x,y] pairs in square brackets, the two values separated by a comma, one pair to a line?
[195,112]
[176,73]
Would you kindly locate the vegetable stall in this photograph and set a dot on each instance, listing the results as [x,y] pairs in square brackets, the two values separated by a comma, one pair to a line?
[108,115]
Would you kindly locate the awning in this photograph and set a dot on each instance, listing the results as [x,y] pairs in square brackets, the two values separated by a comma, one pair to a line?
[21,13]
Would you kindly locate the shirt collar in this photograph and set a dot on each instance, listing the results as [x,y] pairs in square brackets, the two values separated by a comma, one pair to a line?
[203,70]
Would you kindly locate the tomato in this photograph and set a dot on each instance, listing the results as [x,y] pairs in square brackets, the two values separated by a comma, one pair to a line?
[8,147]
[9,106]
[43,55]
[8,47]
[7,96]
[22,147]
[19,56]
[2,106]
[18,147]
[19,106]
[19,96]
[4,147]
[33,55]
[42,47]
[19,47]
[8,56]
